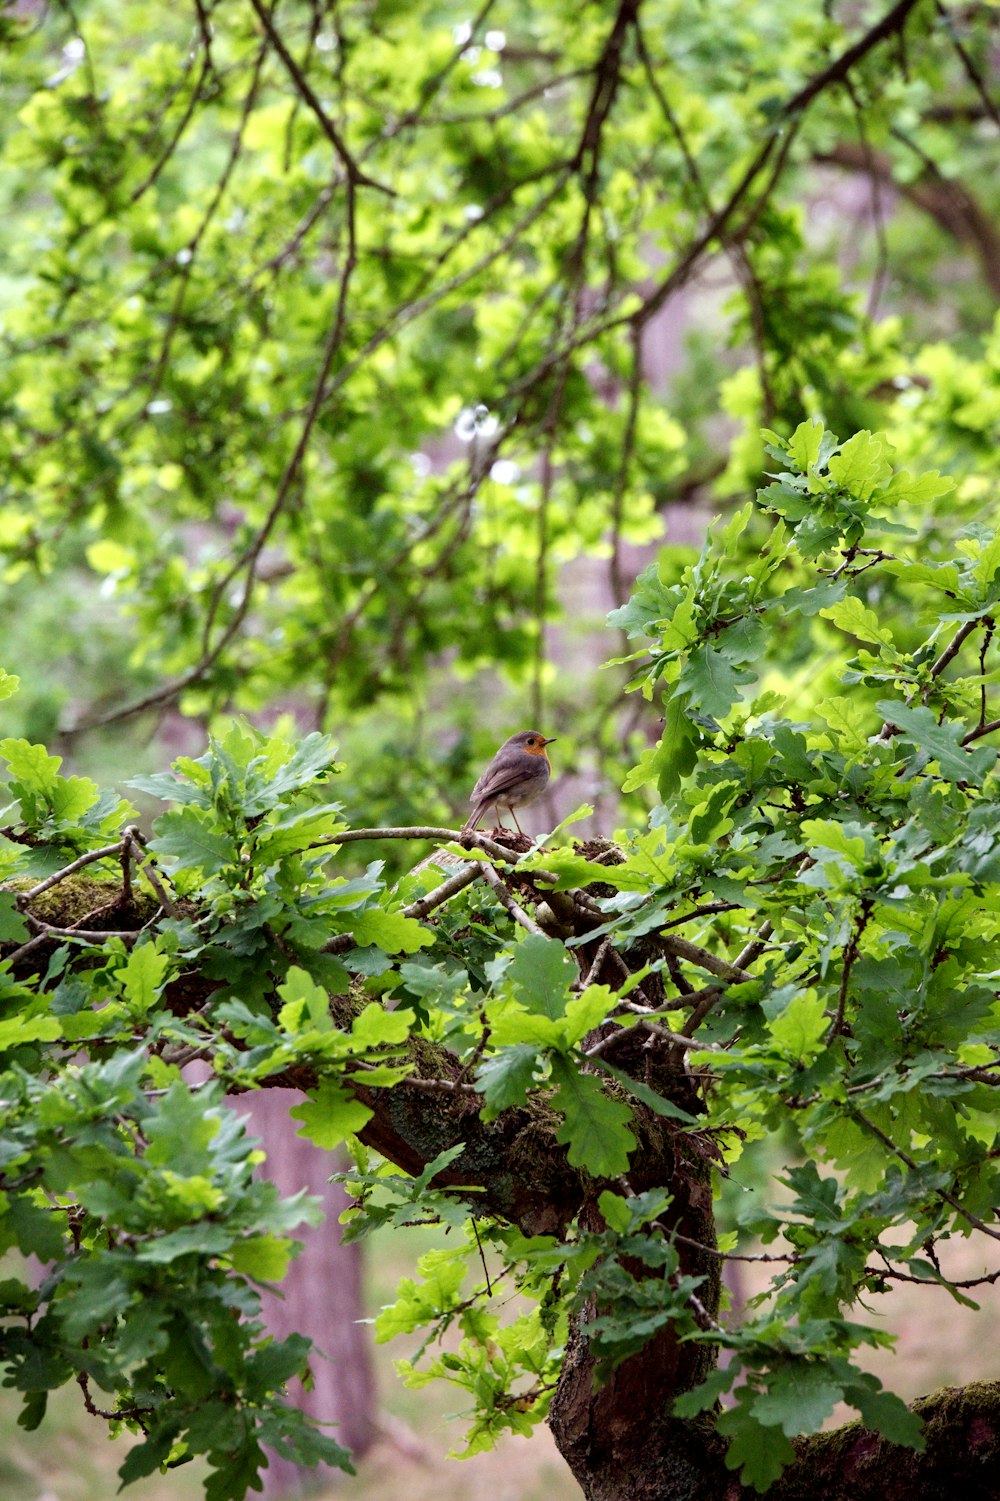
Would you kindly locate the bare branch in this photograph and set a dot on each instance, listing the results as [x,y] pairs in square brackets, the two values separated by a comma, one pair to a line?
[952,206]
[971,71]
[146,865]
[105,853]
[980,731]
[445,891]
[695,954]
[506,900]
[88,935]
[470,838]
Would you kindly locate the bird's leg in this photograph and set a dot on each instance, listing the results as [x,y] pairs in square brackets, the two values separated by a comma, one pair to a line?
[513,815]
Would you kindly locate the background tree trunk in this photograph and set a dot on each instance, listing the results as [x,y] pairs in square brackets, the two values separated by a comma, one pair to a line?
[321,1297]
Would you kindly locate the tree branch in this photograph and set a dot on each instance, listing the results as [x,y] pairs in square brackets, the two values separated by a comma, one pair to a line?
[307,94]
[506,900]
[948,202]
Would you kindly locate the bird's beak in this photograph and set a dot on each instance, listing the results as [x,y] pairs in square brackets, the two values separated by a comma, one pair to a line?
[551,739]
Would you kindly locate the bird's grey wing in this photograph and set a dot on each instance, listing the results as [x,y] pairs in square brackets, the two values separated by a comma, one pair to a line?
[494,782]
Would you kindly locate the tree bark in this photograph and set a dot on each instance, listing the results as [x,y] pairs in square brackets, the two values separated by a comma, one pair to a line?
[619,1438]
[961,1461]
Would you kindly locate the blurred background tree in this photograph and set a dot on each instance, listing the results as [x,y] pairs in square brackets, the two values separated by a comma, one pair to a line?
[357,355]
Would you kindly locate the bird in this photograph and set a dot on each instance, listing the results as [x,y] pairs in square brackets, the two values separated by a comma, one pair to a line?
[518,774]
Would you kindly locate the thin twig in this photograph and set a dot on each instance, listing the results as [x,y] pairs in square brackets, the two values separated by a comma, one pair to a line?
[980,731]
[251,557]
[595,968]
[971,71]
[643,1023]
[619,588]
[472,837]
[24,897]
[907,1160]
[881,268]
[88,935]
[25,949]
[950,652]
[759,941]
[445,891]
[698,1245]
[983,649]
[506,900]
[406,313]
[695,954]
[146,865]
[850,955]
[704,1002]
[182,125]
[439,1086]
[431,86]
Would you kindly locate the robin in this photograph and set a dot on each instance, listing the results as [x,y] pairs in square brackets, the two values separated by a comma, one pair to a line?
[518,774]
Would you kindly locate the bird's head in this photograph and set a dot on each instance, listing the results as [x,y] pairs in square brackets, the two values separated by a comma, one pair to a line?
[530,741]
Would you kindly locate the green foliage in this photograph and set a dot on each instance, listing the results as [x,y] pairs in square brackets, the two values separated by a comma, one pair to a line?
[217,358]
[136,1187]
[148,1212]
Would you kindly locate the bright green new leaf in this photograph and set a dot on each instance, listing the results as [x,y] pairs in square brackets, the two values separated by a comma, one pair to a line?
[586,1011]
[798,1030]
[541,974]
[192,837]
[16,1030]
[595,1127]
[306,1004]
[826,834]
[31,765]
[390,931]
[265,1258]
[375,1026]
[855,618]
[142,976]
[861,464]
[804,444]
[329,1114]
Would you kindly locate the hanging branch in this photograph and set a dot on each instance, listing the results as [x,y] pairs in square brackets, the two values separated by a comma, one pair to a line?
[507,901]
[619,587]
[971,71]
[304,88]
